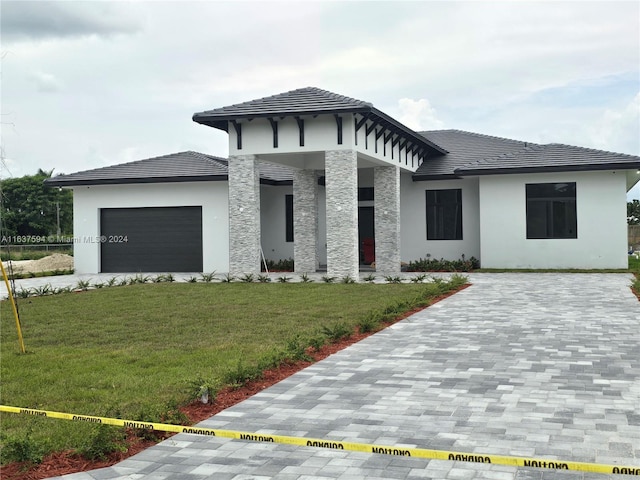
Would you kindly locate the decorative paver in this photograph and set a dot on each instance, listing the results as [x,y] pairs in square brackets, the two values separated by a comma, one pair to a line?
[518,364]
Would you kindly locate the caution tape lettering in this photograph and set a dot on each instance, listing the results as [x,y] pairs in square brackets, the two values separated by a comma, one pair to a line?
[29,411]
[546,464]
[391,451]
[199,431]
[626,471]
[138,425]
[84,418]
[460,457]
[356,447]
[321,444]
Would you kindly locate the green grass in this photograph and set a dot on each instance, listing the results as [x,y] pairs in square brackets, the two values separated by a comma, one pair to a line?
[138,351]
[634,267]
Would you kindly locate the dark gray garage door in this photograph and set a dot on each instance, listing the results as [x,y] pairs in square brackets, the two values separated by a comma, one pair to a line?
[154,239]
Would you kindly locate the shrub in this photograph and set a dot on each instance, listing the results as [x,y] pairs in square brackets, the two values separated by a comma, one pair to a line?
[240,374]
[209,277]
[203,390]
[104,440]
[347,279]
[328,279]
[264,278]
[83,285]
[368,324]
[304,278]
[369,278]
[284,279]
[295,349]
[317,342]
[337,331]
[23,292]
[22,449]
[42,290]
[247,278]
[279,265]
[442,265]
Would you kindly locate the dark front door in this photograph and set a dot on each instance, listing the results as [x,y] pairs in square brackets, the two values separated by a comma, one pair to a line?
[366,235]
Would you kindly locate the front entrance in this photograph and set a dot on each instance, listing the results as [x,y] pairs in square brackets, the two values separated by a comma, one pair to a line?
[366,235]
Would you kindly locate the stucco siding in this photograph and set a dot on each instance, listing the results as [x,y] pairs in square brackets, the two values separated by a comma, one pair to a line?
[211,196]
[413,226]
[601,223]
[274,244]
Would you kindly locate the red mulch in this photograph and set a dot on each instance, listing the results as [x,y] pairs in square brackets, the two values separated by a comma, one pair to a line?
[63,463]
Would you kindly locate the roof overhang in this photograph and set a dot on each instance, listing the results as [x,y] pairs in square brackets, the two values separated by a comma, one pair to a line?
[469,172]
[52,182]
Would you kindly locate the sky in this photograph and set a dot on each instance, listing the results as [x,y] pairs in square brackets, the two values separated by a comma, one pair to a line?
[86,84]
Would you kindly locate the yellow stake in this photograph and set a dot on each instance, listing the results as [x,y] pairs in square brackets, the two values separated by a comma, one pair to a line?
[13,305]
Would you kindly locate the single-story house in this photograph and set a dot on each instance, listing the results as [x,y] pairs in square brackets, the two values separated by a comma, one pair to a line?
[332,181]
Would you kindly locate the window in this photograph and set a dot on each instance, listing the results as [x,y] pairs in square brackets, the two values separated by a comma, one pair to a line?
[551,210]
[444,214]
[288,218]
[365,194]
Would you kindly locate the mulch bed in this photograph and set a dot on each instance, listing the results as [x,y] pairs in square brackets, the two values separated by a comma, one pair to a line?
[63,463]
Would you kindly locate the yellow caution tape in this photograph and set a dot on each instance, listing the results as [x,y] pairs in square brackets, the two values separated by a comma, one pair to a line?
[545,463]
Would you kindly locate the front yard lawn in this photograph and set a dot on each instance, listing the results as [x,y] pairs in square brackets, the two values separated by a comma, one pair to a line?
[139,351]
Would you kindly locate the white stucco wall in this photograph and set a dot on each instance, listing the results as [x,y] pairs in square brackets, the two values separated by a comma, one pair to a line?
[413,221]
[601,221]
[211,196]
[272,206]
[320,134]
[273,224]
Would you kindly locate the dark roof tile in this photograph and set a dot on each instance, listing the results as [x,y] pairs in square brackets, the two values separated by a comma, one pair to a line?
[464,148]
[176,167]
[550,157]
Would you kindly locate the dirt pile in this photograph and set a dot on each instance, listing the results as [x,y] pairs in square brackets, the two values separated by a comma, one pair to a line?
[57,261]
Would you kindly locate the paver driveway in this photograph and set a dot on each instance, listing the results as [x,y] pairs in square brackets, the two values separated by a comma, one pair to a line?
[518,364]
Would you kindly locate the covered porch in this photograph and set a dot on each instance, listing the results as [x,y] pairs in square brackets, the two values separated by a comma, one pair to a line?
[326,139]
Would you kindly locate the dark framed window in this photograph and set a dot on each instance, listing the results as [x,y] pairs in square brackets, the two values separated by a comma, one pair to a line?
[365,194]
[288,217]
[444,214]
[551,210]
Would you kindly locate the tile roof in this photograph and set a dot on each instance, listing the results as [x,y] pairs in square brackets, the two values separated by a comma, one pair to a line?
[464,148]
[477,154]
[469,154]
[307,101]
[553,157]
[176,167]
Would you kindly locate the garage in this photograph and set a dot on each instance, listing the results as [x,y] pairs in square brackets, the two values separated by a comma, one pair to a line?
[151,239]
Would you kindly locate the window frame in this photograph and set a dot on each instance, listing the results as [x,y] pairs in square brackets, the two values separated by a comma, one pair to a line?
[288,218]
[439,211]
[554,212]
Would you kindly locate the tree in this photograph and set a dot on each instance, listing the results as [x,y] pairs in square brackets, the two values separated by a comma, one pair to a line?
[633,212]
[28,207]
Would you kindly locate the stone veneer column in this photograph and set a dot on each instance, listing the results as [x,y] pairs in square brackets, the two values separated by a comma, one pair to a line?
[386,187]
[244,215]
[305,221]
[341,174]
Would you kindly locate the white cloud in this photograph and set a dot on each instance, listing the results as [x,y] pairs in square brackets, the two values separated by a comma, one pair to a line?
[46,82]
[418,115]
[620,129]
